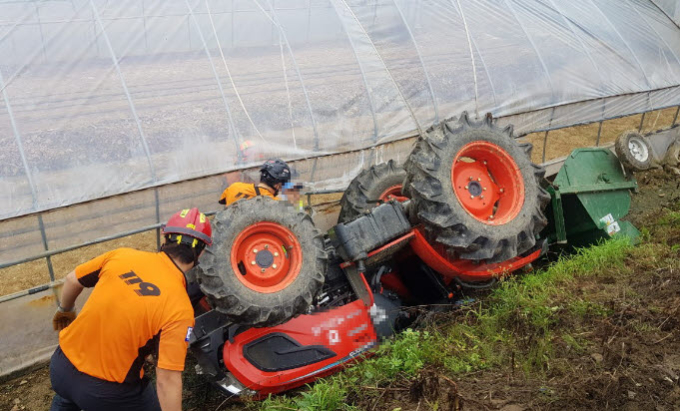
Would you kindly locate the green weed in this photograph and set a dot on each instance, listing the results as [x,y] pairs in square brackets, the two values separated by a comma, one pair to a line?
[515,326]
[573,343]
[405,355]
[583,309]
[671,218]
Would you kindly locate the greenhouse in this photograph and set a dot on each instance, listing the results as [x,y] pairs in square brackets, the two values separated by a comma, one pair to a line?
[116,114]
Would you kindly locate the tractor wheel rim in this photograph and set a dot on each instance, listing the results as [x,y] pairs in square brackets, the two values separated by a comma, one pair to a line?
[392,193]
[487,183]
[638,149]
[266,257]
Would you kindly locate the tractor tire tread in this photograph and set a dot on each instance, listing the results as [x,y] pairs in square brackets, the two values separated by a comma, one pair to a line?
[428,184]
[362,193]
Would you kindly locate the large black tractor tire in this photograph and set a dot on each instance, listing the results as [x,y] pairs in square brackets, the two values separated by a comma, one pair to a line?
[367,188]
[445,215]
[633,151]
[251,237]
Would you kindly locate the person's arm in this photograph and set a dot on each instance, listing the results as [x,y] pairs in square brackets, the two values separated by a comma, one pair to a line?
[169,387]
[172,350]
[70,291]
[85,275]
[66,312]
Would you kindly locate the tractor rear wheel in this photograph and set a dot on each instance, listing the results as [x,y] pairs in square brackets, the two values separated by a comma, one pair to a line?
[266,265]
[476,190]
[380,183]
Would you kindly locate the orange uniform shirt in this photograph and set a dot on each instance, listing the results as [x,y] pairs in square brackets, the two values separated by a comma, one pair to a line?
[139,306]
[238,191]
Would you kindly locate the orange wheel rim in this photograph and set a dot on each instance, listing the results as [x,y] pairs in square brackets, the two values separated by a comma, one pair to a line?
[488,183]
[392,193]
[266,257]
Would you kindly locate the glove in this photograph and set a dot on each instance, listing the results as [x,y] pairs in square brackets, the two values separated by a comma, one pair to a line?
[63,318]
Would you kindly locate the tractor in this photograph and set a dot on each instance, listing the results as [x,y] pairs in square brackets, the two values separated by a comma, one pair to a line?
[285,304]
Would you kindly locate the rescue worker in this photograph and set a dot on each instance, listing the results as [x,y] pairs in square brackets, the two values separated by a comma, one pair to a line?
[139,305]
[249,152]
[291,192]
[273,175]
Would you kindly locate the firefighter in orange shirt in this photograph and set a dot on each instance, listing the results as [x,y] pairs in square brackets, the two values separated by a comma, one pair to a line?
[139,305]
[273,175]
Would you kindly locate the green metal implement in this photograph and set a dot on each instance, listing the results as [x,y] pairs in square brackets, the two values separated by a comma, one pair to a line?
[590,195]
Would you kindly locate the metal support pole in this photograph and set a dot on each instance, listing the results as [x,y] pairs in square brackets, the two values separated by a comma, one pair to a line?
[158,218]
[545,138]
[545,144]
[27,169]
[311,179]
[43,235]
[642,121]
[599,132]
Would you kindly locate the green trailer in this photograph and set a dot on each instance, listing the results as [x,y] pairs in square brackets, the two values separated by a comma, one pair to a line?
[590,196]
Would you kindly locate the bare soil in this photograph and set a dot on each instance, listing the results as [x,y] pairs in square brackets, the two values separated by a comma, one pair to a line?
[630,358]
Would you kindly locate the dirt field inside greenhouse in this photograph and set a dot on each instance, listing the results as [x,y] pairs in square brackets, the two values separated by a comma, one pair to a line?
[623,356]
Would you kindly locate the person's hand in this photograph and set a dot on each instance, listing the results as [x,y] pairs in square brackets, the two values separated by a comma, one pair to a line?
[62,318]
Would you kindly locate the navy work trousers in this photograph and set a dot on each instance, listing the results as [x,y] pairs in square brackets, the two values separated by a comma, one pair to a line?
[77,391]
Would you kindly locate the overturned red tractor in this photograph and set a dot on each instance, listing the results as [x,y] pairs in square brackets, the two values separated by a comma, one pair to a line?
[287,305]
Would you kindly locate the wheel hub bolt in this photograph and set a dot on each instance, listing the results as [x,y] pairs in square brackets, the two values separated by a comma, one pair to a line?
[472,196]
[266,246]
[262,270]
[255,250]
[276,254]
[484,162]
[252,263]
[274,266]
[484,188]
[482,196]
[479,179]
[502,190]
[466,187]
[471,178]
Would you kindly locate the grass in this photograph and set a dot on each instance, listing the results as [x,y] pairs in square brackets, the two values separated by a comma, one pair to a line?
[402,357]
[516,326]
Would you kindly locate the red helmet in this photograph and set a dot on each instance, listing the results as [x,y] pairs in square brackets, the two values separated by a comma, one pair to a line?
[192,223]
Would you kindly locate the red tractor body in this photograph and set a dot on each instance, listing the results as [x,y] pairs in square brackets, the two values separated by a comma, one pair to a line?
[275,359]
[292,305]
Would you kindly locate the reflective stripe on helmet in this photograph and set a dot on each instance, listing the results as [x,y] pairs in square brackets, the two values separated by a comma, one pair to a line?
[189,232]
